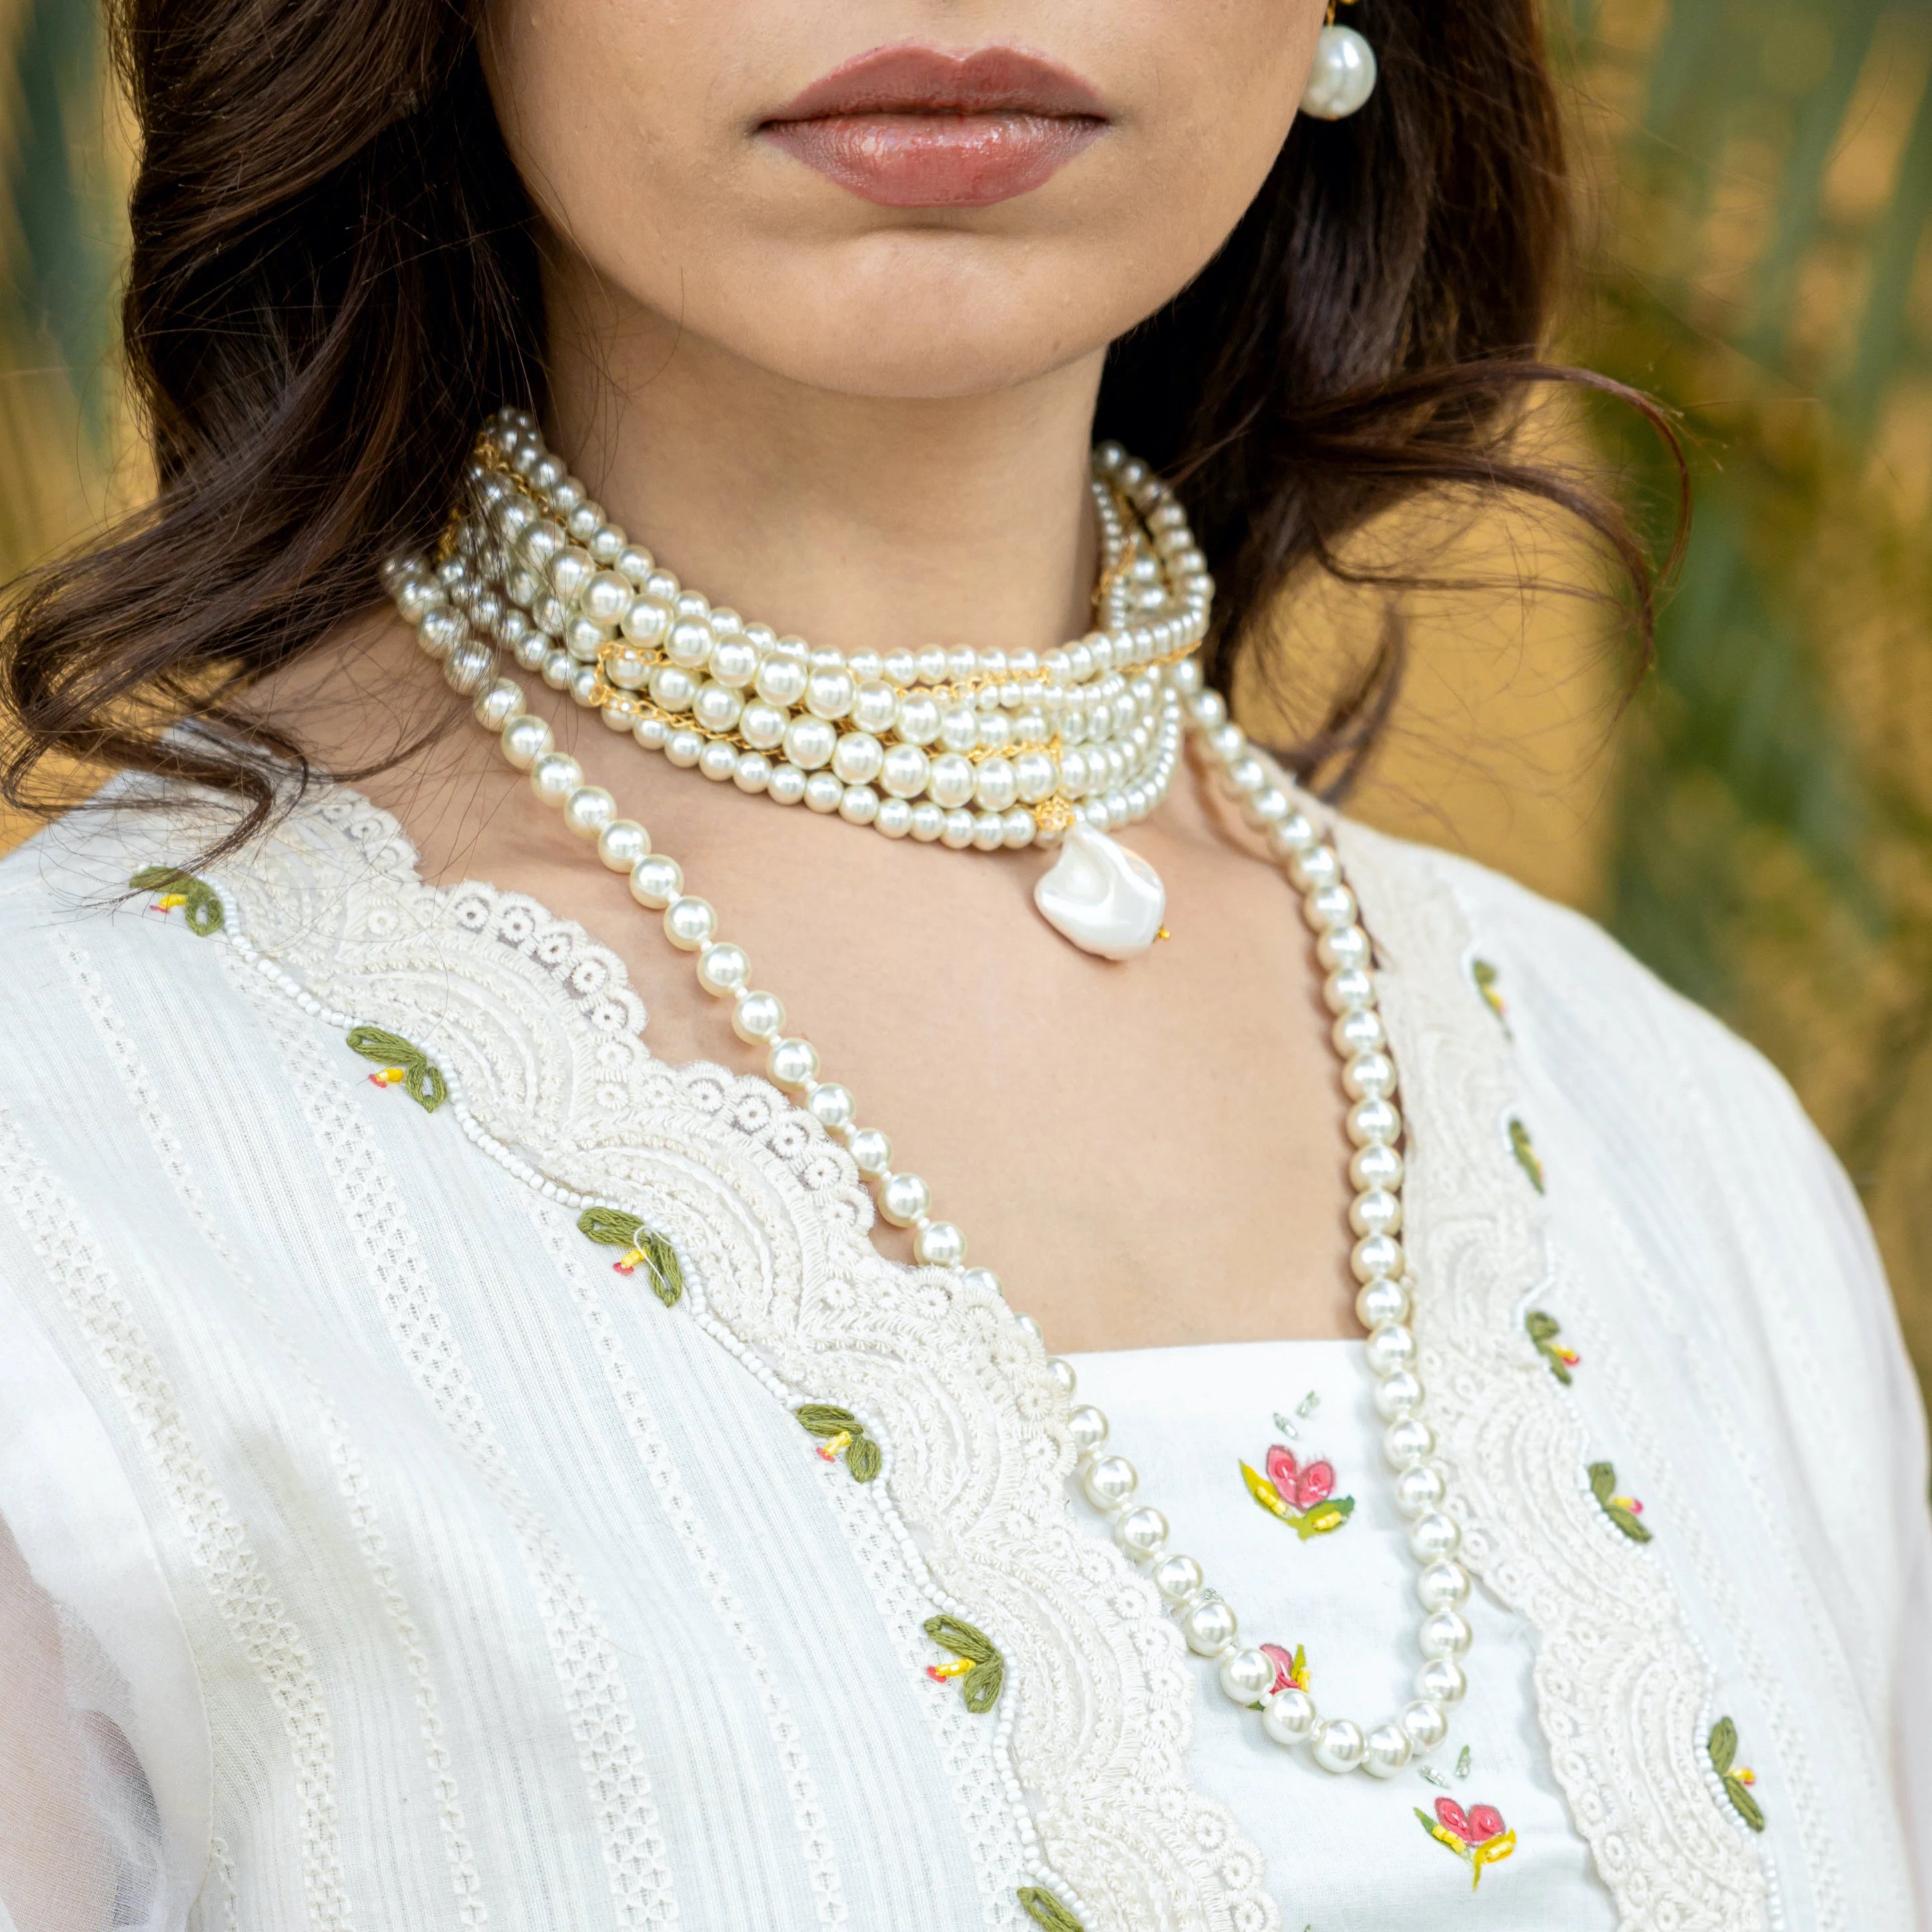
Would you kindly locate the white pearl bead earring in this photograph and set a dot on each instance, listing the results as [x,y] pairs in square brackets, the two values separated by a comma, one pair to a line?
[1343,75]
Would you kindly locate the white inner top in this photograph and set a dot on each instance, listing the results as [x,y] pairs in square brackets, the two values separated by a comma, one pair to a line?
[1344,1854]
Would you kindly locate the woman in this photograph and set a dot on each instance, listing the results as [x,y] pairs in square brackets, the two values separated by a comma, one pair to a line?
[474,1458]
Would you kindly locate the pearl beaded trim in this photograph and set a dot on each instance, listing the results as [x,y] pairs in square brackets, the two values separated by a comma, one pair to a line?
[1107,1479]
[978,749]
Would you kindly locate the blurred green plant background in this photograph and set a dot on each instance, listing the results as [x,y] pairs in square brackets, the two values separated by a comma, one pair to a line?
[1757,180]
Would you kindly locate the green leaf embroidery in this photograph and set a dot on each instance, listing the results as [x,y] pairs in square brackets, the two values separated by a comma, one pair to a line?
[1321,1519]
[1723,1747]
[1489,983]
[422,1079]
[1744,1803]
[1046,1911]
[822,1419]
[1544,1330]
[1619,1509]
[841,1431]
[1524,1150]
[200,903]
[984,1676]
[612,1228]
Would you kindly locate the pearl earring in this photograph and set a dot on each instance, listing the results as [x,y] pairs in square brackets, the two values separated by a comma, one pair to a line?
[1343,75]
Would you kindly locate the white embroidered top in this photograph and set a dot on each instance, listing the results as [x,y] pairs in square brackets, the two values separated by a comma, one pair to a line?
[1347,1854]
[378,1557]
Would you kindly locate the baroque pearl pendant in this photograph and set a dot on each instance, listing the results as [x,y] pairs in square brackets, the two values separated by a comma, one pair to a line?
[1105,899]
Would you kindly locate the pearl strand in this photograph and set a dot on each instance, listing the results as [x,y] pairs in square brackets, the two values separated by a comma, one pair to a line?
[1110,1483]
[979,749]
[1108,1480]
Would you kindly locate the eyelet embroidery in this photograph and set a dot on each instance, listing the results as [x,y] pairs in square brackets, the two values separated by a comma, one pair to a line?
[644,1248]
[842,1433]
[1478,1836]
[404,1064]
[1299,1497]
[1723,1747]
[200,903]
[1544,1330]
[1624,1511]
[1524,1148]
[976,1662]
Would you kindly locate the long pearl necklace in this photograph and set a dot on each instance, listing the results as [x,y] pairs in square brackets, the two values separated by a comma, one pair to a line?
[985,750]
[424,594]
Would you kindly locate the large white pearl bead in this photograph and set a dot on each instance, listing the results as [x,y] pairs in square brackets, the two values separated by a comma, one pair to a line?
[1441,1680]
[1343,75]
[1141,1533]
[1246,1676]
[1110,1483]
[1443,1634]
[525,739]
[554,776]
[1209,1627]
[757,1016]
[724,969]
[792,1064]
[830,1104]
[1418,1489]
[1425,1723]
[689,922]
[656,880]
[1177,1578]
[903,1198]
[622,843]
[939,1244]
[1088,1428]
[1340,1745]
[588,810]
[1289,1718]
[1385,1750]
[1434,1537]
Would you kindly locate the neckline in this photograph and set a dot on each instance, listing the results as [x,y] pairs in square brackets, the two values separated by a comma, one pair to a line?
[546,1015]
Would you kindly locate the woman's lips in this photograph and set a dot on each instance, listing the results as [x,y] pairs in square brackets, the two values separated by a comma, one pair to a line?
[913,127]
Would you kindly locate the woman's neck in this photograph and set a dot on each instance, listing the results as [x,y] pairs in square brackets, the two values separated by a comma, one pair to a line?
[860,522]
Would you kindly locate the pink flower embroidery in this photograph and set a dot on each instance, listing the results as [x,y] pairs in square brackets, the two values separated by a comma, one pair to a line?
[1477,1836]
[1290,1672]
[1303,1498]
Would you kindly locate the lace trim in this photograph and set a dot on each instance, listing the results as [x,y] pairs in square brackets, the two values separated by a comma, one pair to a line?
[216,1538]
[353,1483]
[538,1032]
[589,1673]
[1622,1690]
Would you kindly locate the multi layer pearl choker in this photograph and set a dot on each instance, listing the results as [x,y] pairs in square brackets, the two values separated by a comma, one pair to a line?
[985,750]
[455,605]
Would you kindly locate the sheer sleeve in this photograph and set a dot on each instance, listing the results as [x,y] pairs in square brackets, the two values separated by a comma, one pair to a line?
[104,1758]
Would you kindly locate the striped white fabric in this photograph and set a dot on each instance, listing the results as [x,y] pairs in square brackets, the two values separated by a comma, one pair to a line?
[377,1556]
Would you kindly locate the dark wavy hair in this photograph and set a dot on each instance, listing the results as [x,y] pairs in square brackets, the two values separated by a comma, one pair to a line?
[334,279]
